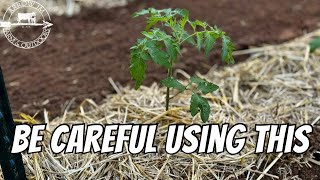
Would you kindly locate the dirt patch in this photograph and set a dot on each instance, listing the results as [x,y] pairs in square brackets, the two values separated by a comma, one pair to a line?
[286,170]
[82,52]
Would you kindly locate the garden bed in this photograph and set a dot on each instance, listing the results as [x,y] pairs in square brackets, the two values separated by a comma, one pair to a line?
[83,51]
[278,84]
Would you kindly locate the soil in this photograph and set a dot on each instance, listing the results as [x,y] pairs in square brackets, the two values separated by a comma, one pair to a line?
[82,52]
[286,170]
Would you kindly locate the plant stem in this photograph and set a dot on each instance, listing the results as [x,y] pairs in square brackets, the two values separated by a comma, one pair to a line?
[167,99]
[168,89]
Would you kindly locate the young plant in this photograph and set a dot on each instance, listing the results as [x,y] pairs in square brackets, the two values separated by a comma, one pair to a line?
[164,34]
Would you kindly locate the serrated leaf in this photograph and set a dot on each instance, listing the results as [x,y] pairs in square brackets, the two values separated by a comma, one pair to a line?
[177,32]
[158,56]
[208,43]
[137,68]
[314,44]
[227,49]
[173,83]
[150,24]
[199,40]
[144,55]
[153,20]
[207,87]
[141,42]
[198,23]
[203,85]
[171,48]
[185,16]
[194,105]
[167,12]
[189,39]
[148,34]
[197,104]
[159,35]
[205,111]
[182,12]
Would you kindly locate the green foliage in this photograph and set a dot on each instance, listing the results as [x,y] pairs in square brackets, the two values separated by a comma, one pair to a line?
[165,32]
[227,48]
[158,56]
[208,43]
[197,104]
[137,67]
[315,44]
[203,85]
[199,40]
[173,83]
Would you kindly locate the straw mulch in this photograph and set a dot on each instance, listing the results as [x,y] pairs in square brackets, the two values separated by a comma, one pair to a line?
[278,84]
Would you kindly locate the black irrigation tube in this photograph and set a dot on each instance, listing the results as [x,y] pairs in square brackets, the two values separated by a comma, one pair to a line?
[11,164]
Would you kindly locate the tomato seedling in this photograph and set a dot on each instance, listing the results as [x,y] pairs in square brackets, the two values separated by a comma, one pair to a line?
[165,32]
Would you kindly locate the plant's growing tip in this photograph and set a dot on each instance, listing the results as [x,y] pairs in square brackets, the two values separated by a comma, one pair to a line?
[163,36]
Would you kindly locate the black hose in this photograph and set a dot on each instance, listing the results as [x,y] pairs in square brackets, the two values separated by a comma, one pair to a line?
[11,164]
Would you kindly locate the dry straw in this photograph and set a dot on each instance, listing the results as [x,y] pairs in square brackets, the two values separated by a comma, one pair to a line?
[278,84]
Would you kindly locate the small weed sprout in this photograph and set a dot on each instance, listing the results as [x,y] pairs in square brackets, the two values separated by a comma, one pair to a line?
[163,36]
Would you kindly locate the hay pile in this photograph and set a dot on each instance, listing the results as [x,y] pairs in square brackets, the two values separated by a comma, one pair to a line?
[278,84]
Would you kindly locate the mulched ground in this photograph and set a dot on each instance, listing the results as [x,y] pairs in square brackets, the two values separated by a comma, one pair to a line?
[82,52]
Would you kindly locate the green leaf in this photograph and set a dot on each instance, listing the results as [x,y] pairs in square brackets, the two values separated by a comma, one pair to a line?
[158,56]
[194,104]
[199,40]
[137,68]
[205,110]
[159,35]
[197,104]
[148,34]
[209,42]
[203,85]
[173,83]
[227,49]
[198,23]
[144,55]
[207,87]
[177,31]
[185,17]
[189,39]
[315,44]
[171,48]
[140,42]
[167,12]
[182,12]
[153,20]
